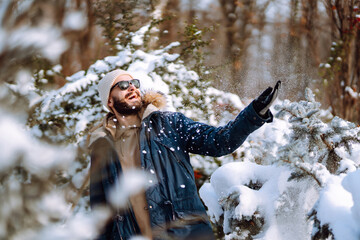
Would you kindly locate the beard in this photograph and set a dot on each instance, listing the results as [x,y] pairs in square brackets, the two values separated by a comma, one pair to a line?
[122,107]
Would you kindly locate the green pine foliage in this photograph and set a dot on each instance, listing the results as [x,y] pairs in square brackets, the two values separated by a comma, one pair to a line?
[315,143]
[116,17]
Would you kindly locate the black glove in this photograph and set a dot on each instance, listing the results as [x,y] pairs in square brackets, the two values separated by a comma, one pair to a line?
[263,102]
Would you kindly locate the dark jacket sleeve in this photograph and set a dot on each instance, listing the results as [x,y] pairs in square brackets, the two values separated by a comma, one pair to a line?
[97,189]
[200,138]
[97,192]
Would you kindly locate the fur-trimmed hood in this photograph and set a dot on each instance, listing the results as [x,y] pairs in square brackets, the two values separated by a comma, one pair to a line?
[152,101]
[155,98]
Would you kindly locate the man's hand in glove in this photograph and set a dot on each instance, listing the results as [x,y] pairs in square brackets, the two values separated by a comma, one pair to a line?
[263,102]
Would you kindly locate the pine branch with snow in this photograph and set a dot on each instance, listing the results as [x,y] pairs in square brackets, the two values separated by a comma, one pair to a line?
[297,193]
[325,143]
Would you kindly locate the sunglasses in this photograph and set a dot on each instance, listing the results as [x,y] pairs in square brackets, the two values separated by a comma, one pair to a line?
[123,85]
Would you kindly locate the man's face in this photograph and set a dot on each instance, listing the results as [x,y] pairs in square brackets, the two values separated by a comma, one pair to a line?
[127,101]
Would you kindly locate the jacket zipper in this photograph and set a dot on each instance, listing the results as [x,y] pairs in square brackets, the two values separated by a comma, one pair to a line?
[178,160]
[183,165]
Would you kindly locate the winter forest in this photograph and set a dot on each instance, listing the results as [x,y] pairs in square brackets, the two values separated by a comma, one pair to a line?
[295,178]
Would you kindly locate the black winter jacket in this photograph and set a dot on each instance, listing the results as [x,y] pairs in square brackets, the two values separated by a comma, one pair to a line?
[166,139]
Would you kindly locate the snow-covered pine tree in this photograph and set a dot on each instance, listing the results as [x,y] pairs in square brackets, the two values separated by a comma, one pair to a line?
[326,143]
[32,203]
[253,201]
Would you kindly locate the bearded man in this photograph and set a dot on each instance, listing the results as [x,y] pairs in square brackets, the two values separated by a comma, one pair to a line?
[136,134]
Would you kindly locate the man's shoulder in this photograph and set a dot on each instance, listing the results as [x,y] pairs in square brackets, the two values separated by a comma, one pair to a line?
[166,118]
[169,115]
[96,134]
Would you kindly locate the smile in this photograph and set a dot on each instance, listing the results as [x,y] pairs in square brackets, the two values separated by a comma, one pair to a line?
[133,96]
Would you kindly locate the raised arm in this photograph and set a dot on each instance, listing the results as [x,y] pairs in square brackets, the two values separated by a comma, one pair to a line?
[203,139]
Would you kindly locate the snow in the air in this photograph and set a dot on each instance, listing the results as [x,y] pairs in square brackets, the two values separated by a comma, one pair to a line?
[270,159]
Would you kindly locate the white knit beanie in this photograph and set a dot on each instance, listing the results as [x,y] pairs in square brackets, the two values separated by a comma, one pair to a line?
[107,82]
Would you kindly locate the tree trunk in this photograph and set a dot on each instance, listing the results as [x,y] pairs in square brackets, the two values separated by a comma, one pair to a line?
[228,10]
[171,26]
[345,78]
[238,17]
[309,18]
